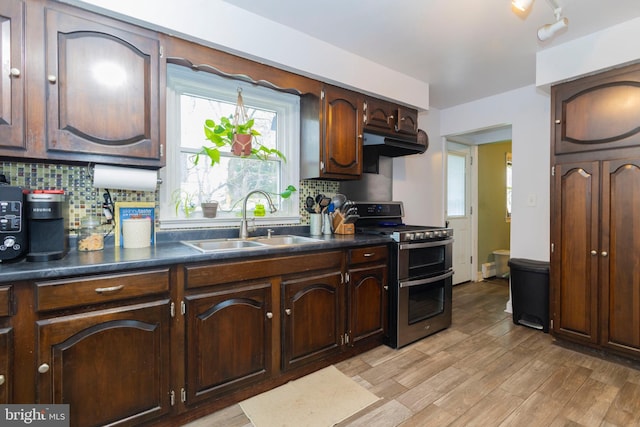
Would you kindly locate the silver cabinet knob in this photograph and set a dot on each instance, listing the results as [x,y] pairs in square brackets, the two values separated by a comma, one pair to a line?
[52,78]
[594,253]
[269,315]
[558,121]
[43,369]
[1,379]
[14,72]
[604,253]
[288,311]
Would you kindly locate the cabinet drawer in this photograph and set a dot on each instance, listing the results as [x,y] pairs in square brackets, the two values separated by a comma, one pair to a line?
[5,300]
[65,293]
[197,276]
[370,254]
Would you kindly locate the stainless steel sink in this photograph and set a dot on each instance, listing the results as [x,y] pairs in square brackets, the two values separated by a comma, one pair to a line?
[215,245]
[286,239]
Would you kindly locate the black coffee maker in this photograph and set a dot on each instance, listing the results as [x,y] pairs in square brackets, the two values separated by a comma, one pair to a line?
[47,217]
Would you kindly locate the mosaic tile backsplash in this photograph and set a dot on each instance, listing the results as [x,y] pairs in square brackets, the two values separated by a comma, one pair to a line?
[84,200]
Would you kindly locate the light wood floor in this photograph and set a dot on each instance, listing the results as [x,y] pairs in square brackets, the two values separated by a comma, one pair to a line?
[485,371]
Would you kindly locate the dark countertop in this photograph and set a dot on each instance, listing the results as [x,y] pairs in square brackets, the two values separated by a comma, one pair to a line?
[166,252]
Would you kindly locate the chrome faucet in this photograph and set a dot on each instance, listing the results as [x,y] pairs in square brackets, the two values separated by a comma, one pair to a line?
[244,229]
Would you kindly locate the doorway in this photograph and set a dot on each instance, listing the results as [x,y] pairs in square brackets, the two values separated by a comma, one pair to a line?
[464,210]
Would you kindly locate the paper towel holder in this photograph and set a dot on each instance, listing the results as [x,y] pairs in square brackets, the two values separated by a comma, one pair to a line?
[133,184]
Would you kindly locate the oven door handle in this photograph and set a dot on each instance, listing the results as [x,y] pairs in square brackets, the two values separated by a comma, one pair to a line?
[405,246]
[419,282]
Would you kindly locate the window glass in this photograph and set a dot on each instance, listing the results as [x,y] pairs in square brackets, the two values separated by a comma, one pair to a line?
[456,184]
[194,97]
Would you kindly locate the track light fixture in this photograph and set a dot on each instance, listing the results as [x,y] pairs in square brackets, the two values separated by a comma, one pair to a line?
[549,30]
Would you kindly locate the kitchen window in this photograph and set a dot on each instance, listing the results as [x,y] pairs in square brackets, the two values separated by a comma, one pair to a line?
[194,96]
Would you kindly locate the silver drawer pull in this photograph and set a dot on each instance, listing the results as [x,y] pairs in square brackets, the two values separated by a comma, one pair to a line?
[109,289]
[1,379]
[368,254]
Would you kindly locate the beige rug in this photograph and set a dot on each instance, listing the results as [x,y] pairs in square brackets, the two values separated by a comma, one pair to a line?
[320,399]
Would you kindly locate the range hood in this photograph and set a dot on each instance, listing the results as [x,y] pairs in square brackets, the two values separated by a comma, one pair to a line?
[393,146]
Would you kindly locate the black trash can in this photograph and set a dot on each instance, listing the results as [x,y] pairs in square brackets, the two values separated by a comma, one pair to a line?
[530,293]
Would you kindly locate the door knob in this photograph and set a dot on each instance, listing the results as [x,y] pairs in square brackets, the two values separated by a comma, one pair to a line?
[44,368]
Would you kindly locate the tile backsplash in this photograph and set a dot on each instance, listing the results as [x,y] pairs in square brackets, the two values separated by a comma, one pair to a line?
[85,200]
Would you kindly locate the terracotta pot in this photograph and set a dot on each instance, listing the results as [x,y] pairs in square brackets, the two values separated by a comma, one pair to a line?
[209,209]
[241,144]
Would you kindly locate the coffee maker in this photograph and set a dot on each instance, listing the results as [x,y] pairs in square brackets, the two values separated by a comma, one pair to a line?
[13,227]
[47,214]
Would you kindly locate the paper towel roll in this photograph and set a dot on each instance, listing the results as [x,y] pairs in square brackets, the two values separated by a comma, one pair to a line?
[124,178]
[136,232]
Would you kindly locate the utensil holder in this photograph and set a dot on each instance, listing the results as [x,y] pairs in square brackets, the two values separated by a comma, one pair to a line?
[340,227]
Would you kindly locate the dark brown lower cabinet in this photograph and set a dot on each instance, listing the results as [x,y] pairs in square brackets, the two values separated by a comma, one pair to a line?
[368,301]
[167,345]
[312,321]
[596,248]
[111,366]
[6,365]
[228,331]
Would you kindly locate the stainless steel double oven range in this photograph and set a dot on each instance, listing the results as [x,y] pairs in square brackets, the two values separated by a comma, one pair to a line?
[420,277]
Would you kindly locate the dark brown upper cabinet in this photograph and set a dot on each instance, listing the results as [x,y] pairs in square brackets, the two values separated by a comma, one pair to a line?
[598,112]
[12,84]
[102,90]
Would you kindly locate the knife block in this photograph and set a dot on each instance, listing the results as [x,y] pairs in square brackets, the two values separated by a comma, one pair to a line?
[339,226]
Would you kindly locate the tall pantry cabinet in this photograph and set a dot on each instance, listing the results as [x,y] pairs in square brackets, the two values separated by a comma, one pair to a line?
[595,210]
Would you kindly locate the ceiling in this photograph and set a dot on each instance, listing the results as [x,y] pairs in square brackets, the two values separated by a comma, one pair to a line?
[464,49]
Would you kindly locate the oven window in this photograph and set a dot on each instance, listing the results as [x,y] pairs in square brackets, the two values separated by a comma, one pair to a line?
[427,261]
[425,301]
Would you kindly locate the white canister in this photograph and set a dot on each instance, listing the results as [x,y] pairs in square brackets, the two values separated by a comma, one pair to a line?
[136,233]
[315,224]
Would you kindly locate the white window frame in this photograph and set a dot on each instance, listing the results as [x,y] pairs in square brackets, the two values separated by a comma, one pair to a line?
[184,80]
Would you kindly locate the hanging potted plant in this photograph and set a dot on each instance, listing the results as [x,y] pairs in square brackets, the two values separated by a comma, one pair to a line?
[238,134]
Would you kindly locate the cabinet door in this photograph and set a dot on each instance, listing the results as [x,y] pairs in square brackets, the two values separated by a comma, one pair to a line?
[110,366]
[407,120]
[102,91]
[342,133]
[311,319]
[574,279]
[12,77]
[619,254]
[6,365]
[380,115]
[367,302]
[228,339]
[597,112]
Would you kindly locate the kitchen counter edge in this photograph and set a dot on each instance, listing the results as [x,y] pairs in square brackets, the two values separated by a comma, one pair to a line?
[112,259]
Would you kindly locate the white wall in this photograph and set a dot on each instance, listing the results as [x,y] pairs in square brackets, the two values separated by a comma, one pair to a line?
[283,47]
[418,180]
[595,52]
[527,110]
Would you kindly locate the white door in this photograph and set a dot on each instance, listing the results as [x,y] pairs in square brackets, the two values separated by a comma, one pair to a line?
[459,209]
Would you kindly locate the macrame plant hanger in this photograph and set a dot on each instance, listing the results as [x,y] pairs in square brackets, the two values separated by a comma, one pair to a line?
[241,142]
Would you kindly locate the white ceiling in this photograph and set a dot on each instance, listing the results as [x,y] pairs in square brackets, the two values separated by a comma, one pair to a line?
[464,49]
